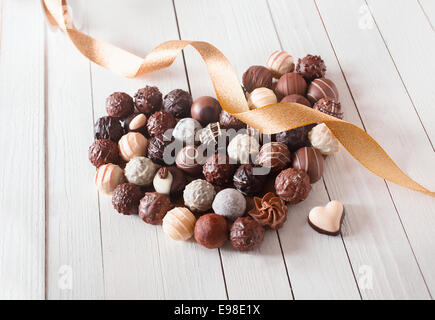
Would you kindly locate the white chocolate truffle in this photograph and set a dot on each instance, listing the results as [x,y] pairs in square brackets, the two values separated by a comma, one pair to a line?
[261,97]
[132,144]
[198,195]
[108,176]
[280,62]
[179,224]
[243,148]
[162,184]
[140,171]
[322,139]
[229,203]
[186,130]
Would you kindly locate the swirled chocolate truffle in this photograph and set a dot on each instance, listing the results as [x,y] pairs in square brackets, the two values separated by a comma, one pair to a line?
[211,231]
[229,203]
[329,106]
[136,122]
[159,122]
[257,77]
[218,170]
[295,138]
[269,211]
[156,150]
[246,234]
[293,185]
[188,161]
[148,100]
[311,67]
[103,151]
[140,171]
[198,195]
[274,155]
[119,105]
[228,121]
[248,181]
[108,128]
[311,161]
[178,103]
[126,197]
[291,83]
[170,181]
[297,99]
[153,207]
[206,110]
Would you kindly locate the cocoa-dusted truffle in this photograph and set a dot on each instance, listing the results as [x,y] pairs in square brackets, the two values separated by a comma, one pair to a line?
[296,98]
[249,179]
[126,197]
[206,110]
[159,122]
[153,207]
[311,161]
[136,122]
[156,149]
[140,171]
[148,100]
[186,130]
[311,67]
[269,211]
[291,83]
[178,103]
[329,106]
[321,88]
[218,170]
[292,185]
[229,203]
[188,161]
[228,121]
[108,128]
[257,77]
[198,195]
[119,105]
[103,151]
[169,180]
[274,155]
[246,234]
[295,138]
[211,231]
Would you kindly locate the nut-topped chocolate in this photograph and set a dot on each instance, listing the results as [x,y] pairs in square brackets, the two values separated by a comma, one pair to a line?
[103,151]
[257,77]
[126,197]
[311,67]
[108,128]
[205,110]
[148,100]
[178,103]
[159,122]
[153,207]
[119,105]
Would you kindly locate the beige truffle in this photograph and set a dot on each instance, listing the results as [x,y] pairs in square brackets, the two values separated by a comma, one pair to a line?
[108,176]
[280,62]
[243,148]
[140,171]
[179,223]
[132,144]
[261,97]
[322,139]
[198,195]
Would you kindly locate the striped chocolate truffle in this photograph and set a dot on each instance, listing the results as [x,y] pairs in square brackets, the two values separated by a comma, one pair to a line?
[329,106]
[280,62]
[291,83]
[131,145]
[274,155]
[108,176]
[261,97]
[311,161]
[321,88]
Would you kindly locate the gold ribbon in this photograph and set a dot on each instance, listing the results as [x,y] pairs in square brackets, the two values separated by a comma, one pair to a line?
[270,119]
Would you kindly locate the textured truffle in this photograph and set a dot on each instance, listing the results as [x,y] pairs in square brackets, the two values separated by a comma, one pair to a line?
[211,231]
[311,161]
[321,88]
[119,105]
[291,83]
[322,139]
[329,106]
[198,195]
[292,185]
[156,150]
[311,67]
[218,170]
[261,97]
[108,176]
[243,148]
[248,181]
[153,207]
[179,224]
[132,144]
[108,128]
[297,99]
[126,197]
[178,103]
[257,77]
[148,100]
[206,110]
[140,171]
[186,130]
[103,151]
[228,121]
[295,138]
[187,160]
[136,122]
[280,62]
[159,122]
[274,155]
[246,234]
[229,203]
[269,211]
[169,180]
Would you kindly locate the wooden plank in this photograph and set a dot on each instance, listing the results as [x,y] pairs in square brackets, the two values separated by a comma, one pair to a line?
[22,174]
[428,7]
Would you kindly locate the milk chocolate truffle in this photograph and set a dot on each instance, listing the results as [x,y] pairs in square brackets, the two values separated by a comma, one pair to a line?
[311,67]
[211,231]
[295,138]
[297,98]
[119,105]
[178,103]
[156,150]
[228,121]
[187,160]
[126,197]
[311,161]
[291,83]
[274,155]
[186,130]
[321,88]
[153,207]
[159,122]
[323,140]
[246,234]
[261,97]
[132,144]
[280,62]
[198,195]
[148,100]
[269,211]
[229,203]
[205,109]
[179,224]
[108,176]
[257,77]
[292,185]
[249,179]
[329,106]
[140,171]
[136,122]
[243,148]
[218,170]
[103,151]
[108,128]
[169,180]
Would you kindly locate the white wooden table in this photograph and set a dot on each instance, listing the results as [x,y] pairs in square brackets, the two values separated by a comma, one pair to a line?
[59,239]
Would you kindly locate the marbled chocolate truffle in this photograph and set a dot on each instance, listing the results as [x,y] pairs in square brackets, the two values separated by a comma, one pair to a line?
[178,103]
[261,97]
[187,160]
[153,207]
[198,195]
[169,181]
[206,110]
[257,77]
[329,106]
[103,151]
[179,224]
[156,150]
[296,98]
[148,100]
[159,122]
[321,88]
[119,105]
[243,148]
[136,122]
[246,234]
[229,203]
[140,171]
[291,83]
[108,176]
[186,130]
[211,231]
[295,138]
[108,128]
[311,161]
[248,181]
[280,62]
[311,67]
[228,121]
[323,140]
[126,197]
[132,144]
[218,170]
[292,185]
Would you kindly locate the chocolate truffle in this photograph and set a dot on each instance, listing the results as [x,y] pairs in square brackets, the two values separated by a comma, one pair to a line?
[159,122]
[153,207]
[261,97]
[246,234]
[248,181]
[119,105]
[187,160]
[198,195]
[229,203]
[136,122]
[156,150]
[140,171]
[186,130]
[108,128]
[280,62]
[269,211]
[295,138]
[205,109]
[178,103]
[148,100]
[179,224]
[291,83]
[257,77]
[321,88]
[243,148]
[132,144]
[329,106]
[169,180]
[228,121]
[297,98]
[311,67]
[274,155]
[323,140]
[103,151]
[218,170]
[260,137]
[126,197]
[213,137]
[311,161]
[108,176]
[211,231]
[292,185]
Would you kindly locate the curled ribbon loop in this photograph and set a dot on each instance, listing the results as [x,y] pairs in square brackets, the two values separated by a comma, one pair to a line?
[230,94]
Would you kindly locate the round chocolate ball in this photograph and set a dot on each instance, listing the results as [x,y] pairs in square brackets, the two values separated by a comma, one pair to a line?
[148,100]
[228,121]
[211,231]
[103,151]
[108,128]
[295,138]
[187,160]
[311,161]
[169,181]
[212,137]
[329,106]
[198,195]
[257,77]
[136,122]
[291,83]
[297,98]
[132,144]
[274,155]
[218,170]
[156,150]
[292,185]
[229,203]
[186,130]
[246,234]
[311,67]
[205,109]
[243,148]
[119,105]
[126,197]
[260,137]
[159,122]
[321,88]
[261,97]
[153,207]
[178,103]
[248,181]
[140,171]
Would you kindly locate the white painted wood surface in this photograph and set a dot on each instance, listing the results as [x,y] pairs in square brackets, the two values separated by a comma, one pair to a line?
[62,240]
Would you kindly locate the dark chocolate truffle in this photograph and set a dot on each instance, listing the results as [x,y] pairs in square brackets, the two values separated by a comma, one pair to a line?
[187,160]
[119,105]
[292,185]
[103,151]
[126,197]
[247,181]
[260,137]
[178,103]
[291,83]
[211,230]
[156,149]
[108,128]
[205,109]
[148,100]
[159,122]
[169,180]
[246,234]
[274,155]
[311,161]
[295,138]
[228,121]
[153,207]
[213,137]
[321,88]
[329,106]
[257,77]
[136,122]
[311,67]
[296,98]
[218,170]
